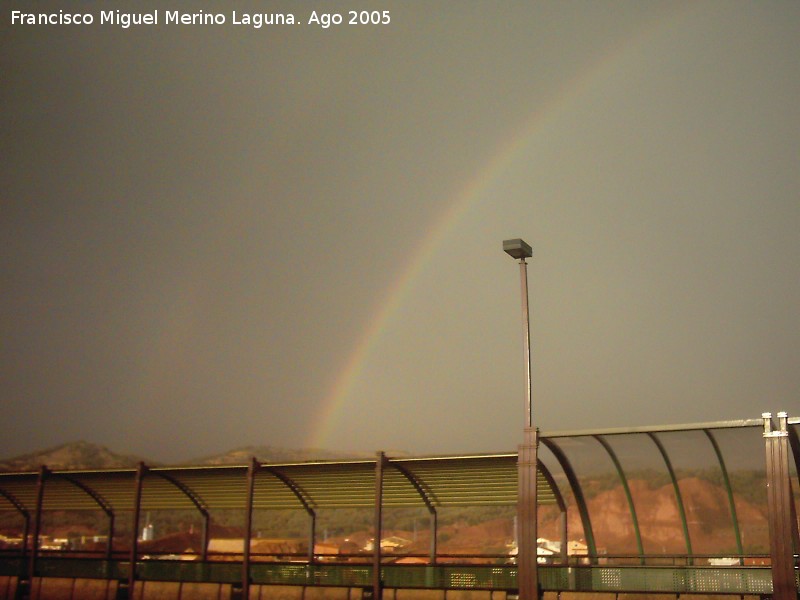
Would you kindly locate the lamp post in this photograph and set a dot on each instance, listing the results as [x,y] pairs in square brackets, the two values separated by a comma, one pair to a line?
[527,574]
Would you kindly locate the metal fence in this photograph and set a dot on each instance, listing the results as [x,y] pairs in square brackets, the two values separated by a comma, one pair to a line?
[677,579]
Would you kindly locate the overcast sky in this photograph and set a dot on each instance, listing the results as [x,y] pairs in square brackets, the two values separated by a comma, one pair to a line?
[218,236]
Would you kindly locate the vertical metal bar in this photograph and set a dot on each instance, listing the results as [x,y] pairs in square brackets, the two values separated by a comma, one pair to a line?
[434,516]
[252,470]
[37,525]
[312,536]
[110,543]
[376,550]
[141,470]
[25,534]
[779,503]
[527,550]
[204,537]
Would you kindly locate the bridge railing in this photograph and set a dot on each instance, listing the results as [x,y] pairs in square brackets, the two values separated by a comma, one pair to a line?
[677,578]
[739,580]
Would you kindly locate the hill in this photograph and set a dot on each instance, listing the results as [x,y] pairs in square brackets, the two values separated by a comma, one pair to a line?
[86,455]
[72,456]
[271,454]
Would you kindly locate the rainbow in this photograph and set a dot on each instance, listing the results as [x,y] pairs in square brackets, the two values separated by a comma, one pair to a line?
[463,200]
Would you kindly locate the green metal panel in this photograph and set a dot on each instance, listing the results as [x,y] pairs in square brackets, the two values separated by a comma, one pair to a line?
[447,481]
[22,487]
[673,580]
[299,574]
[81,567]
[487,577]
[13,567]
[180,570]
[577,578]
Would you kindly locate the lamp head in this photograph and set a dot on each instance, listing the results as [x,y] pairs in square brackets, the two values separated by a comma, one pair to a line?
[517,248]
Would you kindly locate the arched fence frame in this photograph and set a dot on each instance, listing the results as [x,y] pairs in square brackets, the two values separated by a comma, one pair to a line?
[426,482]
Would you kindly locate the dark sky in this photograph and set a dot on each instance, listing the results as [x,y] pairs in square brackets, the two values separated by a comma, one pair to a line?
[217,236]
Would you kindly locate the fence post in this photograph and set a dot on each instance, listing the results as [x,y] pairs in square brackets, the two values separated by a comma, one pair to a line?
[37,528]
[141,471]
[527,547]
[377,584]
[782,527]
[252,471]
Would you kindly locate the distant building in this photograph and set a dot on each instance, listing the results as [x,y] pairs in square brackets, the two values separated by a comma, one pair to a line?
[548,551]
[388,544]
[260,548]
[576,548]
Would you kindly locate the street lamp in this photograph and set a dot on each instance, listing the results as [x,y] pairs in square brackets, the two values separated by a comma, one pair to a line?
[520,250]
[527,574]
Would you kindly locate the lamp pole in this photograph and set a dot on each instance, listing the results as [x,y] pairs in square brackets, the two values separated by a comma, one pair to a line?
[527,572]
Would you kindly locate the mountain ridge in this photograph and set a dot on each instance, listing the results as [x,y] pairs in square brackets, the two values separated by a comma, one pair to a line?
[71,456]
[83,455]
